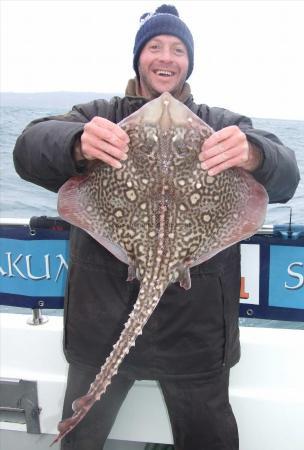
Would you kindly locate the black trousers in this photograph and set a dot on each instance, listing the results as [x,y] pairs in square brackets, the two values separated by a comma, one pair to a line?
[200,414]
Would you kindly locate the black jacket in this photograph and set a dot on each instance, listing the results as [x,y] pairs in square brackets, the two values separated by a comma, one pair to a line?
[191,332]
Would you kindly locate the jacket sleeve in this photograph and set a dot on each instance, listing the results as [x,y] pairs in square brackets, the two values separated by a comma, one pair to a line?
[279,172]
[43,152]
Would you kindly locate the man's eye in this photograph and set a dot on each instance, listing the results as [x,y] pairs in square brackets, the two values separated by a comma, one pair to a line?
[179,51]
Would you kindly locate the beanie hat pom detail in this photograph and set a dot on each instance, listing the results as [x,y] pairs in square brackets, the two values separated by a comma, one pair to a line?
[167,9]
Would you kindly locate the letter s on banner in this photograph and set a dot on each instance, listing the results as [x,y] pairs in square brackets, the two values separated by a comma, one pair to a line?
[296,275]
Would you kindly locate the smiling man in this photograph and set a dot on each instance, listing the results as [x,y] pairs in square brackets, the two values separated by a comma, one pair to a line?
[163,66]
[192,339]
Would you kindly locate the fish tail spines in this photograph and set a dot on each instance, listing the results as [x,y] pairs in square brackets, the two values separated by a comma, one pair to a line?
[145,304]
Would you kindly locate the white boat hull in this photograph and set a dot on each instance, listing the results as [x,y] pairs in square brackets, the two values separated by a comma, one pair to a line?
[266,388]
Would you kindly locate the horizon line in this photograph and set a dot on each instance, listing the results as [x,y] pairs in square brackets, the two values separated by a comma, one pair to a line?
[121,94]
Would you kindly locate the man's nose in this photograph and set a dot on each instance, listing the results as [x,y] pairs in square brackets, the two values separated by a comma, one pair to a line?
[166,55]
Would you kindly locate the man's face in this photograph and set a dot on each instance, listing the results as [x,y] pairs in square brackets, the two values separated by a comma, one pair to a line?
[163,66]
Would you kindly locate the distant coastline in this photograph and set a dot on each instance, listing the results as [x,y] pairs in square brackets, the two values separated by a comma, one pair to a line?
[64,99]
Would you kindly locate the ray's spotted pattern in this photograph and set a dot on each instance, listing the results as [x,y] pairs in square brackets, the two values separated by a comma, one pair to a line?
[160,213]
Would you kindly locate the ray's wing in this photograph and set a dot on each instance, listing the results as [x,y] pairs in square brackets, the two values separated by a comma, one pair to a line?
[76,206]
[112,205]
[238,217]
[210,213]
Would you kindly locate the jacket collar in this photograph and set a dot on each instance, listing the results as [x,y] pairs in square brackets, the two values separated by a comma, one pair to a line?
[133,90]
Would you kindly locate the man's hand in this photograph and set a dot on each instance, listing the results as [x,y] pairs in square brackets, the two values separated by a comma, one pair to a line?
[228,148]
[103,140]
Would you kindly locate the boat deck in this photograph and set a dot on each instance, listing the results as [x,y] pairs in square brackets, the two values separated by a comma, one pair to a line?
[266,389]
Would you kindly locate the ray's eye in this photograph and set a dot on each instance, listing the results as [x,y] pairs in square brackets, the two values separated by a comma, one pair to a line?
[143,139]
[180,147]
[150,143]
[149,139]
[179,142]
[193,140]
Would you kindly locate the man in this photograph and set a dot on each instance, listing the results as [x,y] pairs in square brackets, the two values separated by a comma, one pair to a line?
[192,338]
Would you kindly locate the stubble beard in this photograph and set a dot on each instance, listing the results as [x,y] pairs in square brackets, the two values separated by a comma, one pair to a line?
[154,93]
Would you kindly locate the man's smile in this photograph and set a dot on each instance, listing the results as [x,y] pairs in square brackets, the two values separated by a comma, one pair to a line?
[164,73]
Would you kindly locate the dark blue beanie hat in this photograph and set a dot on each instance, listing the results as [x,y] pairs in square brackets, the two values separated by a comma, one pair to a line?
[165,20]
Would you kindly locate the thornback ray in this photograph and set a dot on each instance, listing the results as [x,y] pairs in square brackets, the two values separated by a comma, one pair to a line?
[161,214]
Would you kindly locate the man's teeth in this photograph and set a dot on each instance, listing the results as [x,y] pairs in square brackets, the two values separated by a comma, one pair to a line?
[164,73]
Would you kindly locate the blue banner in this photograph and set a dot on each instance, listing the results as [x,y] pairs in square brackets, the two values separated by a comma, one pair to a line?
[34,265]
[33,268]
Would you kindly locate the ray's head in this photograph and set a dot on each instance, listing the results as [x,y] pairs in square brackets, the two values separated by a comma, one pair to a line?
[163,52]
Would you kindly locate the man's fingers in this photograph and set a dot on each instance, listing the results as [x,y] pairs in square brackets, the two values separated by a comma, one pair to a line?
[92,154]
[109,131]
[233,162]
[90,142]
[93,131]
[104,140]
[219,148]
[224,149]
[219,158]
[221,135]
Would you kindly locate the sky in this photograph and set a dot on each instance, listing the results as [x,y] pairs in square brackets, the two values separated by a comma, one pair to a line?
[248,53]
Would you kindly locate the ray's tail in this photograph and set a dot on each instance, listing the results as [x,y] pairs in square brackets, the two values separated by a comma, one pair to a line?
[148,298]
